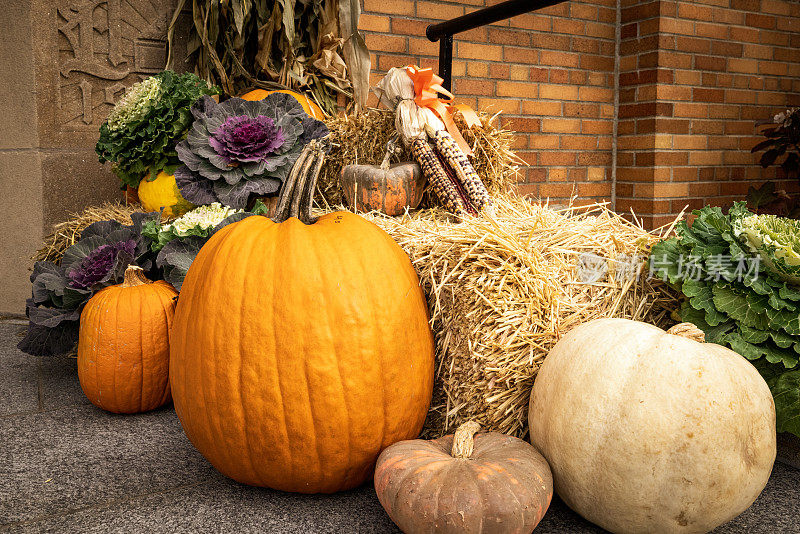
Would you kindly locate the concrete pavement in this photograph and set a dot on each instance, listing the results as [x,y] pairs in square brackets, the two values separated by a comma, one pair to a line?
[66,466]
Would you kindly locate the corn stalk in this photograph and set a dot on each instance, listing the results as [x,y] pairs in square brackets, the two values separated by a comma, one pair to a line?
[309,46]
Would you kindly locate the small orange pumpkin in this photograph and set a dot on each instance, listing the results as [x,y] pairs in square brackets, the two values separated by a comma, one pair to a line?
[390,190]
[464,484]
[309,106]
[301,347]
[123,346]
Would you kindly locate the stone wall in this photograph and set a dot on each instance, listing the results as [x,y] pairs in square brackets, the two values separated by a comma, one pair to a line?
[62,65]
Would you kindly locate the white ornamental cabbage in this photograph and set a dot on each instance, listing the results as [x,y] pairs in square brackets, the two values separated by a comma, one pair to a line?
[202,217]
[135,104]
[776,240]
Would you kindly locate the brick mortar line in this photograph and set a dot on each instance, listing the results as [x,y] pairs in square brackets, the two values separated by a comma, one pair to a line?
[495,24]
[503,62]
[711,54]
[521,30]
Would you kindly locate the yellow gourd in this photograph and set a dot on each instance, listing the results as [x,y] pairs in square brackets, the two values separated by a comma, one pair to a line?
[163,192]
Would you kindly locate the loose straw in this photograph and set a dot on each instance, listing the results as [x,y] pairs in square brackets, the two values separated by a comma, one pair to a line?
[503,289]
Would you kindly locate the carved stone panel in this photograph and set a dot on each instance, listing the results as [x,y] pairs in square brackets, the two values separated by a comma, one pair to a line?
[88,52]
[103,47]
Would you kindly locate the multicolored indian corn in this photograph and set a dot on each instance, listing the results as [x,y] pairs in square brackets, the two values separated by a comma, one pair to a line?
[452,154]
[432,168]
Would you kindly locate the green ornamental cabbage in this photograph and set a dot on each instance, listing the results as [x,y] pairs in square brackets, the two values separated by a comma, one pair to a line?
[776,240]
[141,132]
[736,298]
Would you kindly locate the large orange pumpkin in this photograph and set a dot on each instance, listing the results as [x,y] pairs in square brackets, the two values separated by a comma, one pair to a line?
[309,106]
[123,346]
[300,350]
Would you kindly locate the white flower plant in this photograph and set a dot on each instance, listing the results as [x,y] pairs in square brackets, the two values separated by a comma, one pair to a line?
[177,243]
[198,222]
[135,104]
[776,240]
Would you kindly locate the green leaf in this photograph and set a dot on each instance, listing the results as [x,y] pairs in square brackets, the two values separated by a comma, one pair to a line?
[778,303]
[754,351]
[259,208]
[788,292]
[782,339]
[751,335]
[738,344]
[758,303]
[738,307]
[711,223]
[766,193]
[701,297]
[786,391]
[788,358]
[759,285]
[664,260]
[784,320]
[714,334]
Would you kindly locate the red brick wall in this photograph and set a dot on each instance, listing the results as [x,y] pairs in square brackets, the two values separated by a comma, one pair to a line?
[693,79]
[550,73]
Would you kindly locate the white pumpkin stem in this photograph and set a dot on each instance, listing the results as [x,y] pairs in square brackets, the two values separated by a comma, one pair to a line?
[134,276]
[464,440]
[689,331]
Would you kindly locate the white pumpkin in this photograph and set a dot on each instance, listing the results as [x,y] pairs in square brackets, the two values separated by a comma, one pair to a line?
[651,432]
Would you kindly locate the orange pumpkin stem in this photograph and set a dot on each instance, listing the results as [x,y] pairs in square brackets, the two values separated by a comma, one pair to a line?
[134,276]
[464,440]
[689,331]
[297,192]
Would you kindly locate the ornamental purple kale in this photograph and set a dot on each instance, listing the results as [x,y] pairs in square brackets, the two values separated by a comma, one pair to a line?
[238,148]
[60,290]
[94,267]
[246,139]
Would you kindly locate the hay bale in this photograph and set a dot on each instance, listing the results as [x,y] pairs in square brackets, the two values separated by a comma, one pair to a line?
[503,289]
[361,139]
[66,233]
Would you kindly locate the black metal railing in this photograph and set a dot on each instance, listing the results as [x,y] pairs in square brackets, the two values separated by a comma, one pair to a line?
[444,31]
